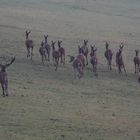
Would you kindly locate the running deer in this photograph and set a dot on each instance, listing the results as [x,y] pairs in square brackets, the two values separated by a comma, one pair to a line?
[137,62]
[61,52]
[47,46]
[119,60]
[42,51]
[4,77]
[55,54]
[29,45]
[85,51]
[78,66]
[108,55]
[93,59]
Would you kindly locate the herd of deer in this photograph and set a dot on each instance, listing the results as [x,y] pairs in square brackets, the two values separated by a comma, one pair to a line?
[79,62]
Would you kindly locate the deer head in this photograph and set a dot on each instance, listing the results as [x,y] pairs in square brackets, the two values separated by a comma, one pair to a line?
[137,52]
[85,42]
[53,44]
[46,38]
[27,33]
[59,43]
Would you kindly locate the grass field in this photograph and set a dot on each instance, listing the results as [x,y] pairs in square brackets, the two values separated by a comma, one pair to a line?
[49,105]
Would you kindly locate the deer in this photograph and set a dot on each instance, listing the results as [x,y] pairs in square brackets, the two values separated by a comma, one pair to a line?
[93,59]
[85,51]
[29,45]
[119,60]
[136,61]
[43,52]
[47,46]
[4,77]
[78,66]
[55,55]
[108,55]
[81,56]
[61,52]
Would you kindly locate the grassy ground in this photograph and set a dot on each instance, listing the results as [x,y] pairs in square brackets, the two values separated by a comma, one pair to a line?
[48,105]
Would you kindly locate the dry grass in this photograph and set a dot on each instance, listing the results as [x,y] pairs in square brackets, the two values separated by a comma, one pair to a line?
[44,104]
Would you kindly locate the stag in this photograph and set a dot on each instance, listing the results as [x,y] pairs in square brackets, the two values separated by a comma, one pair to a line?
[137,62]
[108,55]
[93,59]
[85,51]
[78,66]
[42,51]
[29,45]
[55,54]
[4,77]
[119,60]
[61,52]
[47,46]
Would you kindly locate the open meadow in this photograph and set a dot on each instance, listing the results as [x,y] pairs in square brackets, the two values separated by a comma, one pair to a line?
[45,104]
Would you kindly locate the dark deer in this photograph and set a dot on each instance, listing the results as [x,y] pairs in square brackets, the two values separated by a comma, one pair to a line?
[119,60]
[29,45]
[42,51]
[93,59]
[78,66]
[47,46]
[4,77]
[61,52]
[55,54]
[137,62]
[85,51]
[108,55]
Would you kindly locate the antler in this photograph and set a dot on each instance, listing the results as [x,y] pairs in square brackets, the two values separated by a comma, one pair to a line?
[6,61]
[59,42]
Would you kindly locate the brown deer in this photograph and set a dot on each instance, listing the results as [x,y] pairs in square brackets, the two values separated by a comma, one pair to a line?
[29,45]
[81,56]
[55,54]
[47,46]
[61,52]
[119,60]
[85,51]
[108,55]
[4,77]
[137,62]
[78,66]
[93,59]
[42,51]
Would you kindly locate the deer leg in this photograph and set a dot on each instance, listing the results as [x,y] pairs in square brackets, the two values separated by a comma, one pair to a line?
[56,64]
[119,67]
[110,65]
[6,88]
[96,74]
[42,59]
[135,68]
[61,57]
[48,56]
[124,70]
[64,59]
[31,53]
[75,71]
[3,91]
[86,60]
[28,52]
